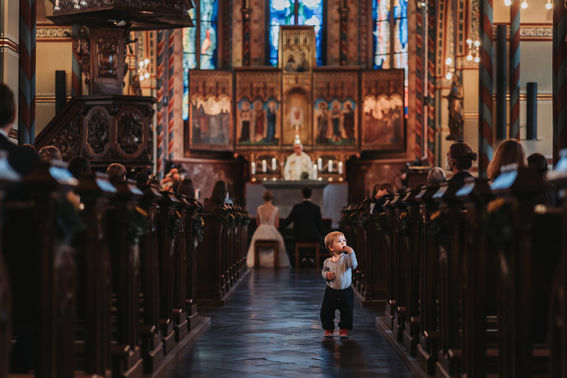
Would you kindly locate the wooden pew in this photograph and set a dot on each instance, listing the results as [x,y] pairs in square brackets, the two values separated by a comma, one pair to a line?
[428,272]
[125,258]
[150,330]
[39,225]
[8,178]
[95,277]
[558,300]
[479,275]
[166,225]
[528,254]
[414,232]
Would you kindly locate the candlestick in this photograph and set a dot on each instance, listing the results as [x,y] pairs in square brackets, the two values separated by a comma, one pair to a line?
[320,164]
[315,173]
[340,167]
[330,166]
[274,164]
[253,168]
[264,166]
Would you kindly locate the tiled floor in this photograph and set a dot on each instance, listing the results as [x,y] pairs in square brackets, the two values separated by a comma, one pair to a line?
[271,328]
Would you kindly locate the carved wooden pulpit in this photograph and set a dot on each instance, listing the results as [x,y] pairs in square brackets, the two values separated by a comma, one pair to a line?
[106,126]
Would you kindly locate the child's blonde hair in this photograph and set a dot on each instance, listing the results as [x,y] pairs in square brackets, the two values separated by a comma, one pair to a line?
[331,238]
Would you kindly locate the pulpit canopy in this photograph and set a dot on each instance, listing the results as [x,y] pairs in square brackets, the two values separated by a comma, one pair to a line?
[131,14]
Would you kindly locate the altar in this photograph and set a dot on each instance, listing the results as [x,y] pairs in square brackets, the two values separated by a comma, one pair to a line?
[331,197]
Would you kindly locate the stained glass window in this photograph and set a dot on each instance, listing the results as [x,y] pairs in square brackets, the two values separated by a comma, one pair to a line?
[202,52]
[390,38]
[295,12]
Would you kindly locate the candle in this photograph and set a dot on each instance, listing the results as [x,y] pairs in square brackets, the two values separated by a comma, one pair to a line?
[330,166]
[253,168]
[274,165]
[320,164]
[315,171]
[264,166]
[340,167]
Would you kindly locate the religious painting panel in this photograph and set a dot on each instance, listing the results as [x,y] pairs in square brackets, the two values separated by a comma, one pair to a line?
[335,110]
[210,126]
[258,108]
[383,114]
[297,116]
[297,49]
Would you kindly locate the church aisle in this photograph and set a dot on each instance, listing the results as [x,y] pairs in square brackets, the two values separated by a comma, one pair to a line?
[270,327]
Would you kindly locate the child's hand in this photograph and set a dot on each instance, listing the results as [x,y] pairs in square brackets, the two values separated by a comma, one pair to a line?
[331,276]
[348,249]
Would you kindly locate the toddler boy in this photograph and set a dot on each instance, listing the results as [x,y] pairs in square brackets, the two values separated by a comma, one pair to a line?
[337,271]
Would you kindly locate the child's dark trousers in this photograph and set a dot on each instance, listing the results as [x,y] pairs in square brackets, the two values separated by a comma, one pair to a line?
[342,300]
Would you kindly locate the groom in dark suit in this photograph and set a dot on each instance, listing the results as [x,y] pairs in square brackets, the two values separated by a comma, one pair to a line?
[21,159]
[306,219]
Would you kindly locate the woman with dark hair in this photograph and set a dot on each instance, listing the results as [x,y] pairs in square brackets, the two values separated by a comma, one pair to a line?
[268,221]
[380,194]
[508,152]
[459,160]
[218,196]
[79,167]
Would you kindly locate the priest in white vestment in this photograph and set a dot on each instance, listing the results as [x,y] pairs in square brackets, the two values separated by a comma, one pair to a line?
[297,164]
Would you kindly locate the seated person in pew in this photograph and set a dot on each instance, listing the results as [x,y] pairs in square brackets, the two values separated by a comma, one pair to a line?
[549,196]
[337,271]
[50,153]
[436,176]
[116,173]
[459,160]
[20,158]
[382,192]
[508,152]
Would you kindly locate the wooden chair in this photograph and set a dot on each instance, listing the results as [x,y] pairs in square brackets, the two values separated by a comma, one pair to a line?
[299,245]
[266,243]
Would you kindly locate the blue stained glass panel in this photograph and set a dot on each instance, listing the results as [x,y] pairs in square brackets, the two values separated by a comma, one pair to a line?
[381,39]
[209,11]
[282,12]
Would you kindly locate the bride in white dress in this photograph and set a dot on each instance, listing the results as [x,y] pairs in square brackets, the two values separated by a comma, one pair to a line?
[267,219]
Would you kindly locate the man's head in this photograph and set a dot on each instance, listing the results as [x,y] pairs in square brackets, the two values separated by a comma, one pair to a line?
[116,173]
[7,108]
[298,148]
[306,192]
[335,242]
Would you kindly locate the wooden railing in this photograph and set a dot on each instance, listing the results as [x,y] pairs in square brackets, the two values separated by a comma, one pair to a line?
[107,285]
[474,276]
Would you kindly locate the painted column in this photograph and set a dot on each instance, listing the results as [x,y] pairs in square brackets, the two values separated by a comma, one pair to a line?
[246,32]
[343,37]
[485,87]
[160,86]
[559,78]
[420,46]
[514,70]
[26,97]
[431,89]
[170,91]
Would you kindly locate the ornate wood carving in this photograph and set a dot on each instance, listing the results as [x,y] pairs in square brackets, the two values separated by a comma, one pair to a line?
[131,129]
[69,139]
[104,129]
[107,60]
[98,125]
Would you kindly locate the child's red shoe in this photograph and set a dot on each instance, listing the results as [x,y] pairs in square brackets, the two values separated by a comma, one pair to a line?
[328,333]
[343,334]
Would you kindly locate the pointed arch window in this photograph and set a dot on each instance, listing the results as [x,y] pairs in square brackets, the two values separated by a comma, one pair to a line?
[390,33]
[295,12]
[201,52]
